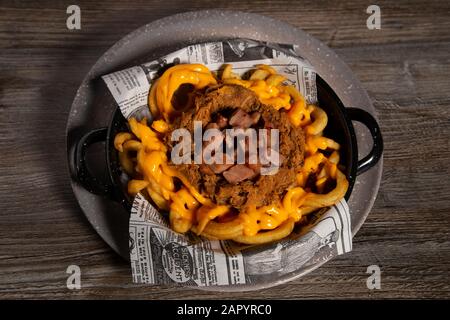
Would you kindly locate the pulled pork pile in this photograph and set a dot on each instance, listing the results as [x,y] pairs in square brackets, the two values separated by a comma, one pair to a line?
[240,185]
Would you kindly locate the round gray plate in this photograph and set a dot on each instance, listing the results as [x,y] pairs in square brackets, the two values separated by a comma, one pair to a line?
[93,107]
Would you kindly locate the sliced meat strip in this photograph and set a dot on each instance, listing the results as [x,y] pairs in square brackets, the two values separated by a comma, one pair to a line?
[241,119]
[216,168]
[255,167]
[219,168]
[238,173]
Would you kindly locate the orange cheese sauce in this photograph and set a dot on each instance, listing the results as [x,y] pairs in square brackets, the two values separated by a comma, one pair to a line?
[187,204]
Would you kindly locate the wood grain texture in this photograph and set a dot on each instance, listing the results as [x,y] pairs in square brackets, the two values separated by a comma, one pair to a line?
[404,67]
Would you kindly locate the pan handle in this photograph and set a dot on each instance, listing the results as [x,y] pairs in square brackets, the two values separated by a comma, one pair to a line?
[83,175]
[369,121]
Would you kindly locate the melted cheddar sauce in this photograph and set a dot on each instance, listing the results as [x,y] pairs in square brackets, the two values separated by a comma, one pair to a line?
[191,210]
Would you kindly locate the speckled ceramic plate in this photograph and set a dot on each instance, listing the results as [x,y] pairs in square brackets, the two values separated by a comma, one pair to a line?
[93,107]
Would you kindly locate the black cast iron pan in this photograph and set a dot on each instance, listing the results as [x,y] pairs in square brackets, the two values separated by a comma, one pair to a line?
[340,128]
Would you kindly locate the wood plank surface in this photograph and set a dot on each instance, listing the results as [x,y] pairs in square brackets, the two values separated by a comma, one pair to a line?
[405,67]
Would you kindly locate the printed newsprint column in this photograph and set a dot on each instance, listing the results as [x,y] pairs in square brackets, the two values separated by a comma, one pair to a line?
[162,256]
[130,87]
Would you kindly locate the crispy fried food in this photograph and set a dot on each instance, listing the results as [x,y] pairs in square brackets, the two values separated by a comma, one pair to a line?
[228,105]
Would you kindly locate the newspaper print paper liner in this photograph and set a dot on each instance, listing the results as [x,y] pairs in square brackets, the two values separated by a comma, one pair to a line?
[159,255]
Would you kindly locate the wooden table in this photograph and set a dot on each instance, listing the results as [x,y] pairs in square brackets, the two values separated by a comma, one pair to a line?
[405,68]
